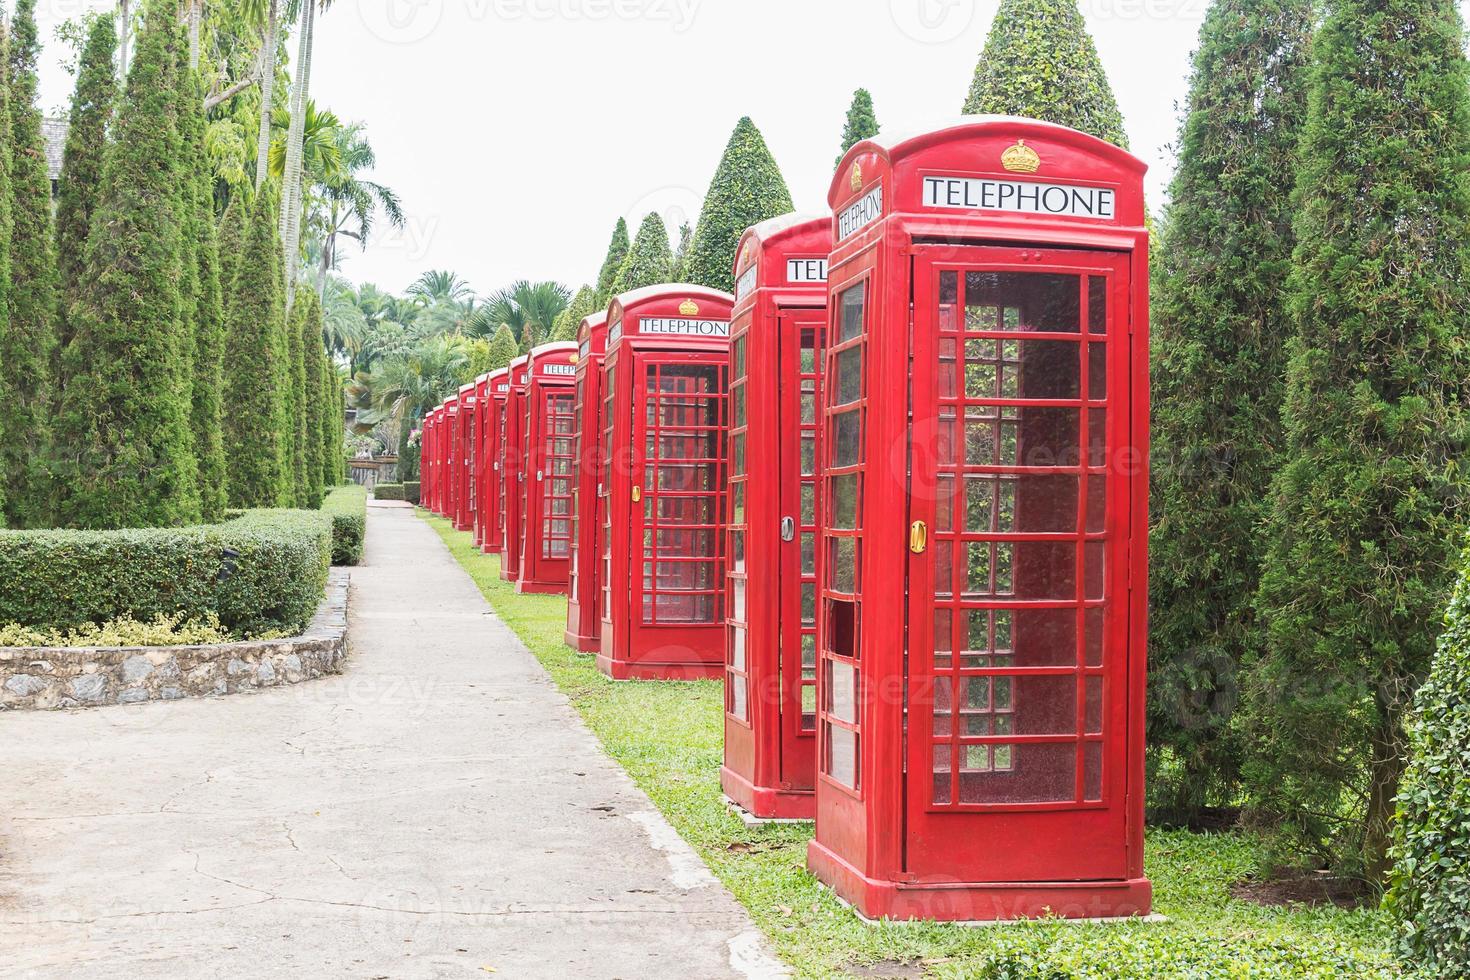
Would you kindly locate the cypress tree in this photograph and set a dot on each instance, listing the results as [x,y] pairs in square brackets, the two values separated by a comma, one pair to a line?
[747,189]
[1368,507]
[617,250]
[205,315]
[862,122]
[338,429]
[1039,61]
[27,345]
[328,424]
[315,354]
[123,431]
[231,237]
[1219,363]
[503,348]
[257,380]
[80,186]
[570,319]
[681,254]
[296,328]
[649,261]
[6,198]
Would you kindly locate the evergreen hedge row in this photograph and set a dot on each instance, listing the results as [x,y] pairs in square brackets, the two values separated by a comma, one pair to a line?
[388,491]
[263,571]
[347,507]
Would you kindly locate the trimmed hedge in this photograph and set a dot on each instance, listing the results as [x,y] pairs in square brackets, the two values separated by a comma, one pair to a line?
[411,491]
[388,491]
[347,506]
[263,571]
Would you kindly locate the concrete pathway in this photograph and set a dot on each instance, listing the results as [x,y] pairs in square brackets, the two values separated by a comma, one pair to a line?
[438,810]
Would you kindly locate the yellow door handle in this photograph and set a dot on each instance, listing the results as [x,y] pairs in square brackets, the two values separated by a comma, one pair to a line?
[637,494]
[918,537]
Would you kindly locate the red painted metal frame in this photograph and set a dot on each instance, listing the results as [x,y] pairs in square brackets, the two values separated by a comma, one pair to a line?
[513,476]
[583,588]
[477,457]
[464,517]
[781,300]
[644,339]
[548,453]
[453,451]
[434,453]
[890,838]
[426,460]
[487,518]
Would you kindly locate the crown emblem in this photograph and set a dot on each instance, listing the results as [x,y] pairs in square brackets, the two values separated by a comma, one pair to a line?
[856,179]
[747,253]
[1020,159]
[689,308]
[574,359]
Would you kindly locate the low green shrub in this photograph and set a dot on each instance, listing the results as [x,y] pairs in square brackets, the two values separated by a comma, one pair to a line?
[388,491]
[1429,892]
[260,572]
[162,631]
[347,506]
[411,491]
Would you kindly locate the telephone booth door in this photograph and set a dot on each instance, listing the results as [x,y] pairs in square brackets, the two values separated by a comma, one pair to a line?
[512,472]
[464,516]
[678,463]
[546,508]
[493,469]
[584,594]
[451,460]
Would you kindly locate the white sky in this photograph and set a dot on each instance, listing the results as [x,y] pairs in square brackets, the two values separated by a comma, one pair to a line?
[516,131]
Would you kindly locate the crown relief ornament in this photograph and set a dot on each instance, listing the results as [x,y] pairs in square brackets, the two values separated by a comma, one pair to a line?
[689,308]
[1020,159]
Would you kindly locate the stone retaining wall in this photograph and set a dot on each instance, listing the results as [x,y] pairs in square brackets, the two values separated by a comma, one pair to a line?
[40,678]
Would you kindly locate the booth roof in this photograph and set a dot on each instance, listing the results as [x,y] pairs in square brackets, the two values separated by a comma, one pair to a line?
[772,227]
[594,320]
[684,288]
[889,142]
[555,347]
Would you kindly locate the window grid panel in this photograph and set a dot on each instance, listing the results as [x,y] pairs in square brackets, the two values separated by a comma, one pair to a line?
[737,664]
[809,394]
[558,475]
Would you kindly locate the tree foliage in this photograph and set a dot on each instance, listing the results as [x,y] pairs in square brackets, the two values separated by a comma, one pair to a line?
[617,250]
[582,306]
[28,342]
[124,444]
[296,403]
[257,382]
[314,359]
[650,261]
[1368,507]
[6,225]
[747,188]
[861,124]
[1219,361]
[503,348]
[1039,61]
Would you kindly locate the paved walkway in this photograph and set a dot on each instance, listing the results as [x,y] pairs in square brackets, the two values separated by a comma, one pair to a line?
[438,810]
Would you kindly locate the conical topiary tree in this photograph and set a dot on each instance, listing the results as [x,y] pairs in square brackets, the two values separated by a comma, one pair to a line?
[617,250]
[1219,363]
[1369,505]
[649,261]
[124,445]
[583,304]
[296,327]
[503,348]
[681,254]
[80,186]
[1427,896]
[203,311]
[6,199]
[314,357]
[27,344]
[747,189]
[862,122]
[1039,61]
[257,428]
[330,424]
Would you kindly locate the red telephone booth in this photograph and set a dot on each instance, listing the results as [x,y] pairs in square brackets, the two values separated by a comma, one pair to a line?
[583,619]
[436,459]
[548,442]
[426,460]
[771,652]
[487,511]
[453,448]
[662,474]
[512,474]
[477,457]
[982,602]
[464,514]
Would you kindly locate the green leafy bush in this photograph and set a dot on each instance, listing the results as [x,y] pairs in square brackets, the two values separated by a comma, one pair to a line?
[347,506]
[263,571]
[411,491]
[1429,891]
[161,631]
[388,491]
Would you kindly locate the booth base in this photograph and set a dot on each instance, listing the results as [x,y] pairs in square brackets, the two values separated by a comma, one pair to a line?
[540,588]
[581,644]
[953,901]
[623,670]
[765,803]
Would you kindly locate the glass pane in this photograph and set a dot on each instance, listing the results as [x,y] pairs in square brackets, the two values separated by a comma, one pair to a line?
[1026,773]
[1097,304]
[850,312]
[737,647]
[847,385]
[1092,771]
[738,697]
[842,756]
[847,439]
[842,691]
[1034,301]
[1097,371]
[844,501]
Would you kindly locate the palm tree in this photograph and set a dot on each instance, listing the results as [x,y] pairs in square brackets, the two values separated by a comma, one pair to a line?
[267,85]
[348,203]
[439,284]
[404,388]
[528,308]
[292,200]
[344,325]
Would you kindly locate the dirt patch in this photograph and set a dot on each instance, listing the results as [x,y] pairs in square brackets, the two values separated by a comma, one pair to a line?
[1316,888]
[886,970]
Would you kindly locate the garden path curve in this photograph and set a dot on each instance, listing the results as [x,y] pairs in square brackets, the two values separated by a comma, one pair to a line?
[438,810]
